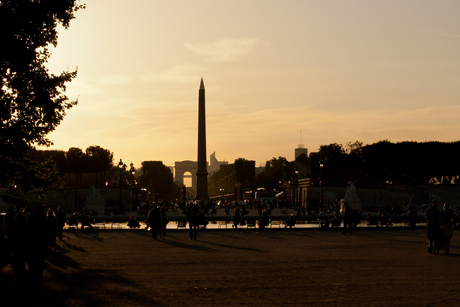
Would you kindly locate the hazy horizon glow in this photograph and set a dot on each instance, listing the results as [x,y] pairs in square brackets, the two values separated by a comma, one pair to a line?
[339,71]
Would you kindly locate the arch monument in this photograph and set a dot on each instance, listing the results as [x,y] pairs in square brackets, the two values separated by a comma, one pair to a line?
[182,167]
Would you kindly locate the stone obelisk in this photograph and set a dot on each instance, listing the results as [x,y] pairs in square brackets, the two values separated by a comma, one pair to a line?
[202,172]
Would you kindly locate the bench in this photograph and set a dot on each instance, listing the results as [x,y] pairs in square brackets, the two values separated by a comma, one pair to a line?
[276,222]
[99,222]
[250,223]
[181,224]
[385,222]
[221,224]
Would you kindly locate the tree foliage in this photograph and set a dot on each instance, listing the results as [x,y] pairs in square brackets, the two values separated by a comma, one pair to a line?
[378,163]
[32,100]
[158,178]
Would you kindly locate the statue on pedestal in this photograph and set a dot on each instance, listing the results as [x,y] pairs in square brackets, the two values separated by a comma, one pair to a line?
[94,201]
[351,197]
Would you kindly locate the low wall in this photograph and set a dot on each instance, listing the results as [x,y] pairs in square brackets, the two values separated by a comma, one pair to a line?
[371,197]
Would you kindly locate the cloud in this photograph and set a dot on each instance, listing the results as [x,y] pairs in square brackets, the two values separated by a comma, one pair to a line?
[224,49]
[182,73]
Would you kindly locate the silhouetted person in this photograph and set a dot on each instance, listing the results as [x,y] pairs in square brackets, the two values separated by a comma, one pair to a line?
[336,220]
[263,222]
[323,220]
[17,242]
[163,222]
[412,208]
[433,219]
[154,221]
[356,218]
[52,230]
[37,244]
[133,223]
[236,219]
[347,218]
[9,222]
[290,222]
[73,220]
[192,218]
[372,220]
[61,220]
[447,222]
[84,220]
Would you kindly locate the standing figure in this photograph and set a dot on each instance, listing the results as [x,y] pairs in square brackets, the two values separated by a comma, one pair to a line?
[192,218]
[9,222]
[447,222]
[37,244]
[236,219]
[433,219]
[154,221]
[52,229]
[163,222]
[264,220]
[347,218]
[412,208]
[61,220]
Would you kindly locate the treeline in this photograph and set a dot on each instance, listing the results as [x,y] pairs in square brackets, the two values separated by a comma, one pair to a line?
[386,162]
[380,163]
[94,159]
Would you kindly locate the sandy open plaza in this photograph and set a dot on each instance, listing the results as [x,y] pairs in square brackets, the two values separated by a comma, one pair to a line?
[275,267]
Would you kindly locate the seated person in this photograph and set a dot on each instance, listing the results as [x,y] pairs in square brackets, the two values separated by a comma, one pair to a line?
[73,220]
[371,220]
[263,222]
[85,221]
[133,223]
[336,220]
[385,220]
[323,220]
[356,218]
[290,222]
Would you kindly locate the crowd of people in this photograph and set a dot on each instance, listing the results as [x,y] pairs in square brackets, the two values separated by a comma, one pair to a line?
[31,235]
[440,227]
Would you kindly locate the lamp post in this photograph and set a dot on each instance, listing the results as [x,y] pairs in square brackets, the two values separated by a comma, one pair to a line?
[120,166]
[222,190]
[132,170]
[296,184]
[321,182]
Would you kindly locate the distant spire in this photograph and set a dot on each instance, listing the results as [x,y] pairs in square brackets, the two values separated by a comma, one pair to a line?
[201,84]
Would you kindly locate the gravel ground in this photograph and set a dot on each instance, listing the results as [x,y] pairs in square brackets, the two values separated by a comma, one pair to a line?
[276,267]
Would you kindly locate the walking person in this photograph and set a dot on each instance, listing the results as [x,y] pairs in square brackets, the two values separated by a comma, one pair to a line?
[37,244]
[192,218]
[348,214]
[61,220]
[52,230]
[163,222]
[412,208]
[154,221]
[433,219]
[236,219]
[447,225]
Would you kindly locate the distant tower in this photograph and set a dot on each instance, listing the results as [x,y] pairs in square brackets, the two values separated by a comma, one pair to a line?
[301,149]
[202,172]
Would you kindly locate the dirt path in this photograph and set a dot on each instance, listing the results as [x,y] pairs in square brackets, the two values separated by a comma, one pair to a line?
[303,267]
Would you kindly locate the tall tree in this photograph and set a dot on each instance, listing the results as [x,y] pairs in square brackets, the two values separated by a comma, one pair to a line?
[32,100]
[75,159]
[158,177]
[99,160]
